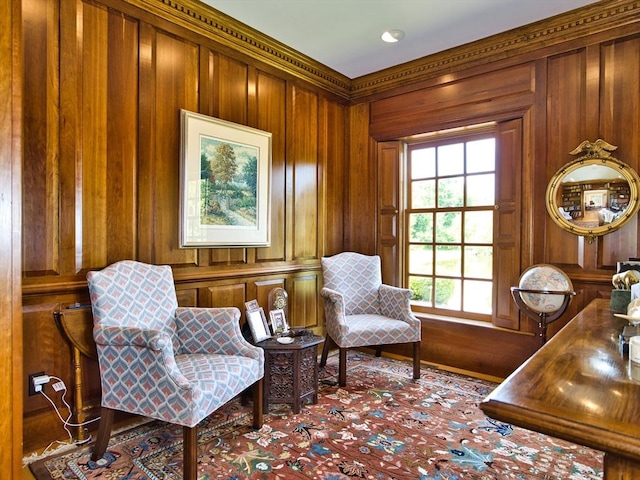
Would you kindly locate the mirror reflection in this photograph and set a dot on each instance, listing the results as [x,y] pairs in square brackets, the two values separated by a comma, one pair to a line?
[594,194]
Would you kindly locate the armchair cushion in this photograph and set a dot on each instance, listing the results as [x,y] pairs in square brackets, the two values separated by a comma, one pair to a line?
[370,329]
[214,330]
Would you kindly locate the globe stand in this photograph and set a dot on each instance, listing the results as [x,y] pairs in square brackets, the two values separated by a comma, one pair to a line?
[543,318]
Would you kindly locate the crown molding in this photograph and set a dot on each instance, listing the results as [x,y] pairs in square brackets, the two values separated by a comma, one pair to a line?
[198,17]
[225,30]
[585,21]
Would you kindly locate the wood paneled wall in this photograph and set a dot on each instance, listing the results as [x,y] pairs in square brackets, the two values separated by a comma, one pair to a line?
[10,195]
[106,83]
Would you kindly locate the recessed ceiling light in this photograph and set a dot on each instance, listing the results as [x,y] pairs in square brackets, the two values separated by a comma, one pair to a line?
[392,36]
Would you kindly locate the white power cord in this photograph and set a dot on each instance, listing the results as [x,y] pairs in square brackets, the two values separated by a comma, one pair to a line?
[60,386]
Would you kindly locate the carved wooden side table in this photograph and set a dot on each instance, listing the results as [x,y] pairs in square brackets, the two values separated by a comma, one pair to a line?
[291,371]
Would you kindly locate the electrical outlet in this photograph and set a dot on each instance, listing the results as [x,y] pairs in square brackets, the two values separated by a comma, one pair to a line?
[32,389]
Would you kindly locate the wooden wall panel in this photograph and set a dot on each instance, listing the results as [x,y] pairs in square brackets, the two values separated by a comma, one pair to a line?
[302,171]
[231,84]
[565,99]
[620,86]
[40,253]
[11,155]
[223,295]
[187,297]
[173,82]
[91,227]
[360,195]
[102,180]
[122,138]
[71,85]
[271,117]
[451,101]
[304,301]
[333,174]
[232,80]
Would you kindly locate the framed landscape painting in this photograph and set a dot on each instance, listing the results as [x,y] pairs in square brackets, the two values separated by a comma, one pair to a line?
[225,181]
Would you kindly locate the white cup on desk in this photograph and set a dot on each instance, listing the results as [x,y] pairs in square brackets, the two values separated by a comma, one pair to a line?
[633,368]
[634,349]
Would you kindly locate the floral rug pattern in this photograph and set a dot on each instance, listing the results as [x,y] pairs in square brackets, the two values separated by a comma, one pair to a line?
[382,426]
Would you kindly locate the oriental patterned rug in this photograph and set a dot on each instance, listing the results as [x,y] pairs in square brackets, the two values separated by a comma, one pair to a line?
[382,426]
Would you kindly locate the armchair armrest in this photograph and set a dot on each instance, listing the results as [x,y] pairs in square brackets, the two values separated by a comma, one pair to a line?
[152,348]
[333,296]
[214,330]
[130,337]
[334,312]
[395,303]
[333,303]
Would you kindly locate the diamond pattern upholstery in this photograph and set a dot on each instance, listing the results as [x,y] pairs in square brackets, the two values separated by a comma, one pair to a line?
[362,311]
[162,361]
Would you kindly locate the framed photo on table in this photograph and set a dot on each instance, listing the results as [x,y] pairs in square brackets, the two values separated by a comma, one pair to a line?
[278,322]
[251,305]
[258,325]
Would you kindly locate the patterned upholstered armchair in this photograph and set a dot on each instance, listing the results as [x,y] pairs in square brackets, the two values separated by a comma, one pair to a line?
[362,311]
[166,362]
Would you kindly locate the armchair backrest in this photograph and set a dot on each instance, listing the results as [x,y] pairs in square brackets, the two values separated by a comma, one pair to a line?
[134,294]
[357,277]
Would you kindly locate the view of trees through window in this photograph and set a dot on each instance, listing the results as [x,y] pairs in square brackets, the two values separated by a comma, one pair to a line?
[449,235]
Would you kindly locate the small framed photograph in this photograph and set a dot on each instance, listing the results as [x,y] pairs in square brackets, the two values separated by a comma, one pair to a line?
[278,322]
[258,325]
[251,305]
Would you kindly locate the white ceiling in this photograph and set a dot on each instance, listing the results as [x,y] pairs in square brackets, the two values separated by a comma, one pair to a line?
[345,34]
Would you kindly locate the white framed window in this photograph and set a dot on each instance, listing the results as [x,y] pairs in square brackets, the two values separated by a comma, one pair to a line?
[449,234]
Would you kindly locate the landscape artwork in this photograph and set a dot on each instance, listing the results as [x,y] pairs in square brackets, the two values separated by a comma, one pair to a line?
[229,183]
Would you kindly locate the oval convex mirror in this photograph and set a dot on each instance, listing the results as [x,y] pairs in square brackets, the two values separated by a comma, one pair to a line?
[594,194]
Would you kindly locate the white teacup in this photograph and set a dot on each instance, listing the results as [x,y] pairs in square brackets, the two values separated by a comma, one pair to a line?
[634,349]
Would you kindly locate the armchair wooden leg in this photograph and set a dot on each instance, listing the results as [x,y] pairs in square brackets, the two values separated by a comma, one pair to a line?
[328,343]
[104,432]
[416,360]
[258,392]
[190,459]
[342,368]
[378,351]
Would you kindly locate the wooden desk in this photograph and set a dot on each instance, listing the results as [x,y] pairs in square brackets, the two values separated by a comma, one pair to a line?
[579,387]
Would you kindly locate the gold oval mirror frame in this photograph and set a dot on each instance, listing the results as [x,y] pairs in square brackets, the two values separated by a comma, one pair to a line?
[594,194]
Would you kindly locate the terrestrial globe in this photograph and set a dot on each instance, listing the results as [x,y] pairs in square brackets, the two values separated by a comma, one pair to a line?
[543,293]
[545,279]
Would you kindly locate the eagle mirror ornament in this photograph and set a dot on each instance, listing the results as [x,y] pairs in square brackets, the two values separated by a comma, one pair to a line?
[594,194]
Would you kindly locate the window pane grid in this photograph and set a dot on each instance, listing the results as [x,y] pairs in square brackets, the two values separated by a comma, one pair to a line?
[451,192]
